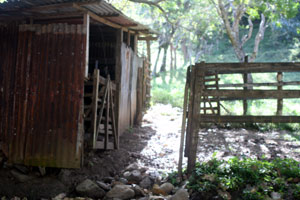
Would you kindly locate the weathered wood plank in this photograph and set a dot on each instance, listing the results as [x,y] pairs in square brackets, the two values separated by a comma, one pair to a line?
[253,94]
[227,68]
[256,84]
[248,119]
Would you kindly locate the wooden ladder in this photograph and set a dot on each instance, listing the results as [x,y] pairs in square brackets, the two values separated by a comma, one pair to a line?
[100,113]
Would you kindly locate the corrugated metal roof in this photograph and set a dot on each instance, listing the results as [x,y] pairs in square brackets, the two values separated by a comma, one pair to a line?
[28,8]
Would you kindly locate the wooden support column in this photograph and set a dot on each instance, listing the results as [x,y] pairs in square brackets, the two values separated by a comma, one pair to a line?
[86,23]
[118,70]
[128,38]
[245,77]
[136,44]
[148,50]
[194,130]
[95,105]
[279,101]
[183,125]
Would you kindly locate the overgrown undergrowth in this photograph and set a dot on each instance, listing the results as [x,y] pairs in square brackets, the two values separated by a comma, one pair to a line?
[248,179]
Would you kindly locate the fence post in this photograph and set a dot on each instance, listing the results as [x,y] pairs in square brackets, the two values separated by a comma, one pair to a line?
[279,101]
[194,129]
[245,77]
[183,125]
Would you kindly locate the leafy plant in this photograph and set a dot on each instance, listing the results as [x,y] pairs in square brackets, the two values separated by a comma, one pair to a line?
[249,178]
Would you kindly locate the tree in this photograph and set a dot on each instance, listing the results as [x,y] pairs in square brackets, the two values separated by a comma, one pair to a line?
[232,12]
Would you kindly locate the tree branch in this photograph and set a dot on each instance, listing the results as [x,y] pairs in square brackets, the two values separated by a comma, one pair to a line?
[249,35]
[259,37]
[155,4]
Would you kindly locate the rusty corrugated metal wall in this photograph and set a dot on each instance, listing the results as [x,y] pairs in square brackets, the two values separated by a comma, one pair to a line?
[128,94]
[42,93]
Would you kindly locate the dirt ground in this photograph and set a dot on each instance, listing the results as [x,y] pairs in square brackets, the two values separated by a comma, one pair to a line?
[155,146]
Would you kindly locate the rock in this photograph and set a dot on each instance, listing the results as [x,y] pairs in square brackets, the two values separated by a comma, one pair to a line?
[157,198]
[123,180]
[64,176]
[90,189]
[144,198]
[167,187]
[157,191]
[21,177]
[134,176]
[275,196]
[108,179]
[138,191]
[132,167]
[121,192]
[146,183]
[60,196]
[181,194]
[104,186]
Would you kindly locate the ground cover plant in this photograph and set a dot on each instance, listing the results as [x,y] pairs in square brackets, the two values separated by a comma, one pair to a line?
[246,178]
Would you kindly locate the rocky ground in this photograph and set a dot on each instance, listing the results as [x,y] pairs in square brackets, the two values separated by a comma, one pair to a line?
[138,169]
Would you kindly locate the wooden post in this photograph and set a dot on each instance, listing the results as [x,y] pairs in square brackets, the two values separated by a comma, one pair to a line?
[194,135]
[183,125]
[279,101]
[95,104]
[118,70]
[86,22]
[245,77]
[128,38]
[148,50]
[136,50]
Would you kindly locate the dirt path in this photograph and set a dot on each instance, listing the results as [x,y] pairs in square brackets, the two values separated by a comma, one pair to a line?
[155,146]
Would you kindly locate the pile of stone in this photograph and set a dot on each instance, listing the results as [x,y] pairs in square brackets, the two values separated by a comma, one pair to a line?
[134,183]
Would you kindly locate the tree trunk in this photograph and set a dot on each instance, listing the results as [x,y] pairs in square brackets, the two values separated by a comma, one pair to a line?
[175,58]
[164,62]
[172,59]
[185,52]
[156,62]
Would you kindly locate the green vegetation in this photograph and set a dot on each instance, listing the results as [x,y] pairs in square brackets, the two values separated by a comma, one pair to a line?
[246,179]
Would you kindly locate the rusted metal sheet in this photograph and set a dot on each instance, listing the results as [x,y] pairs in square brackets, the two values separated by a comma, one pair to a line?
[8,41]
[46,119]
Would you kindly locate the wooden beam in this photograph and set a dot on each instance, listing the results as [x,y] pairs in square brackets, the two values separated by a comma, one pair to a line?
[228,68]
[247,119]
[148,38]
[253,94]
[257,84]
[86,23]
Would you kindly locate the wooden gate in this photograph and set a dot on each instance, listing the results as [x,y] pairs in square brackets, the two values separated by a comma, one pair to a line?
[204,96]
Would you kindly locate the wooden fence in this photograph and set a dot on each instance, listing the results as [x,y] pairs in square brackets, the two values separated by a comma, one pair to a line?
[204,95]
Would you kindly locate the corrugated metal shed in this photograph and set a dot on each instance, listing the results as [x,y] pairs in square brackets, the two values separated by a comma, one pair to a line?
[32,8]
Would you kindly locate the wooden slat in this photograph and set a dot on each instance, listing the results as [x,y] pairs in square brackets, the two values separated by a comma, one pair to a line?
[227,68]
[253,94]
[256,84]
[248,119]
